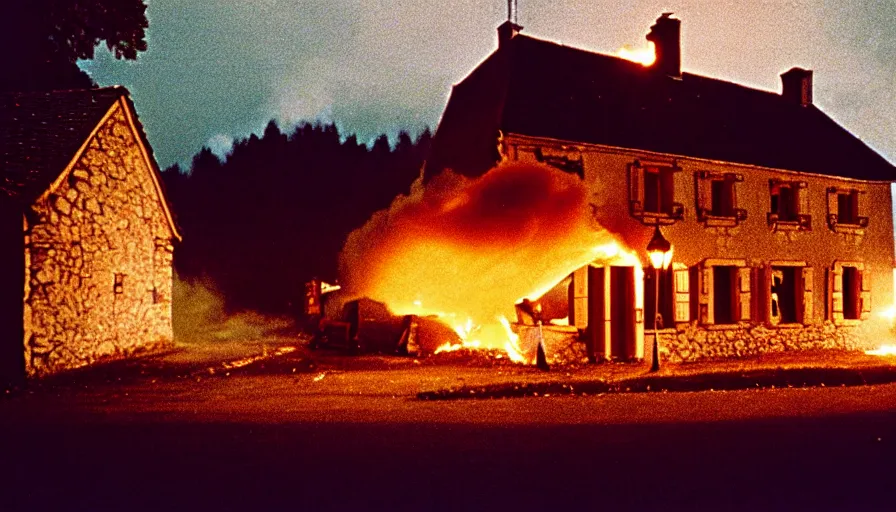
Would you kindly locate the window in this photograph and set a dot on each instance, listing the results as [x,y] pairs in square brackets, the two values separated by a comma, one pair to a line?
[652,193]
[666,305]
[844,210]
[724,280]
[851,287]
[849,297]
[717,198]
[784,303]
[789,208]
[784,293]
[723,295]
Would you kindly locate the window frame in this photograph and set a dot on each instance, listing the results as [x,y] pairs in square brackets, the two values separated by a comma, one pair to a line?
[742,309]
[835,290]
[835,223]
[802,220]
[705,198]
[637,170]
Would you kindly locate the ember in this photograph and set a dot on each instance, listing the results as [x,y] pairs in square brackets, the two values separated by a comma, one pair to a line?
[466,250]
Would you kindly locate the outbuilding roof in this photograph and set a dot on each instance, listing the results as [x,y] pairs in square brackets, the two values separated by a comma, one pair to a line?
[539,88]
[41,133]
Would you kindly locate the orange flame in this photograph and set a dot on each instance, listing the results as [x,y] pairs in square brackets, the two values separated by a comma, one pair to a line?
[466,250]
[644,56]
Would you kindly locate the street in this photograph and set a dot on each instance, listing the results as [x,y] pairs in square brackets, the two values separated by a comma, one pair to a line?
[277,442]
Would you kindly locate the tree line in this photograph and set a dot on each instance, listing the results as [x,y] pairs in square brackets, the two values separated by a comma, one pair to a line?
[275,212]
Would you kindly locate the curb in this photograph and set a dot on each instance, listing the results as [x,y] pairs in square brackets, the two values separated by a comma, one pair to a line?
[722,381]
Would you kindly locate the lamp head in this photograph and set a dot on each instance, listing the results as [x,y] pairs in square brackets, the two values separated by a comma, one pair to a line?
[659,250]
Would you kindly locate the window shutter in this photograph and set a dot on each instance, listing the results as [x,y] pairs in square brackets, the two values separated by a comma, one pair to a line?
[703,187]
[808,303]
[763,294]
[835,285]
[636,189]
[865,295]
[705,301]
[682,295]
[803,216]
[832,206]
[667,189]
[579,309]
[743,288]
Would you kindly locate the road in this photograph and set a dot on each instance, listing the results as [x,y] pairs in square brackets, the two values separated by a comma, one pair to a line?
[290,442]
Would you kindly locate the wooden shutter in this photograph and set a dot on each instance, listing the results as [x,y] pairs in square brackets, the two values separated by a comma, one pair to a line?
[808,302]
[579,304]
[835,285]
[743,296]
[761,294]
[832,207]
[865,294]
[703,186]
[682,295]
[636,189]
[705,297]
[667,189]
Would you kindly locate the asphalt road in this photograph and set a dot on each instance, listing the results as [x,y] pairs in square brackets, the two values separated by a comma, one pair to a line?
[278,443]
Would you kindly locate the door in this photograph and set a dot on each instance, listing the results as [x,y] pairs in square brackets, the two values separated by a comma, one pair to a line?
[623,342]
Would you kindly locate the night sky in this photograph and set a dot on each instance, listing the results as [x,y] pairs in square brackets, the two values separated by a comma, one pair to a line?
[221,69]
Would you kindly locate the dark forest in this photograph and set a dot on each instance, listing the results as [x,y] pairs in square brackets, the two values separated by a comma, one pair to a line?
[277,209]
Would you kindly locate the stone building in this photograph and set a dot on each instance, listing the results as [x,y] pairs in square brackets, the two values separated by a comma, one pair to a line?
[85,233]
[780,219]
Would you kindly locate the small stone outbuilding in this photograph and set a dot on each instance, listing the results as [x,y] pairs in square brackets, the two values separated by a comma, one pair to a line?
[86,234]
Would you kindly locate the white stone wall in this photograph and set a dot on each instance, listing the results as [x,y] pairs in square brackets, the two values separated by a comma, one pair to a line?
[105,220]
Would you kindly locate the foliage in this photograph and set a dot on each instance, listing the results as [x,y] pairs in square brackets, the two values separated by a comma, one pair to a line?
[43,39]
[277,210]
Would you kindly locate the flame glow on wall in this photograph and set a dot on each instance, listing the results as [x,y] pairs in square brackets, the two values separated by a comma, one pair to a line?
[467,250]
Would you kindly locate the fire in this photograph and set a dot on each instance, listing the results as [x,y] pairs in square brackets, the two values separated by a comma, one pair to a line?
[466,250]
[884,350]
[644,56]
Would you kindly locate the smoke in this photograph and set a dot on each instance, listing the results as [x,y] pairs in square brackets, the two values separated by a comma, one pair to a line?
[199,316]
[472,248]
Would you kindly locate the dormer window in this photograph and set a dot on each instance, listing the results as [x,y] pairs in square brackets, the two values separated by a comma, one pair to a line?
[717,198]
[652,193]
[789,206]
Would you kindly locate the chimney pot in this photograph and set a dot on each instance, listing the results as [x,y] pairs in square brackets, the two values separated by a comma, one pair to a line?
[507,31]
[666,37]
[796,86]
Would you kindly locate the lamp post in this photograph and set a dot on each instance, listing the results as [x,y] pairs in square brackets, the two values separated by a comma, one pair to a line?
[659,250]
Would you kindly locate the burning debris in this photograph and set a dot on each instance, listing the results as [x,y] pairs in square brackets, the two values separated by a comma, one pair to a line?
[460,252]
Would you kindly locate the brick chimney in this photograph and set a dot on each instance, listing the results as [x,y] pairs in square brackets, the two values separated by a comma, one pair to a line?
[666,38]
[507,31]
[796,86]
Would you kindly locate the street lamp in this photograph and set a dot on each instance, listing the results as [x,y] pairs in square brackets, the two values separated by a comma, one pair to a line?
[659,250]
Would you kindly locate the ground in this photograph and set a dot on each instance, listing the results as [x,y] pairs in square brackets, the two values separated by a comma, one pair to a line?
[193,429]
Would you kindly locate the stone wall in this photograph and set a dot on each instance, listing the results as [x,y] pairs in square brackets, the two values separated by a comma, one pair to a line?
[699,343]
[98,259]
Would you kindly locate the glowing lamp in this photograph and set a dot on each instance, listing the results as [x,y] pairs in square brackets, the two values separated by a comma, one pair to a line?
[659,250]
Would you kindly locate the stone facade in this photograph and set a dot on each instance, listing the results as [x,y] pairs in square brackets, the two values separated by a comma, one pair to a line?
[98,256]
[695,343]
[752,241]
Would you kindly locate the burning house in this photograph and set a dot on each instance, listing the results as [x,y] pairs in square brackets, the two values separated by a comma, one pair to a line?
[780,219]
[85,233]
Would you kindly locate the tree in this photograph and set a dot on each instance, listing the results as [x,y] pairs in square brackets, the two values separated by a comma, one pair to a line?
[42,40]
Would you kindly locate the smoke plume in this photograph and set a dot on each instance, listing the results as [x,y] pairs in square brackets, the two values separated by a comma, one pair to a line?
[471,248]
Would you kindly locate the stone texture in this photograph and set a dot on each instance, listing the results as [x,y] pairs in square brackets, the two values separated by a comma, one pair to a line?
[695,343]
[106,220]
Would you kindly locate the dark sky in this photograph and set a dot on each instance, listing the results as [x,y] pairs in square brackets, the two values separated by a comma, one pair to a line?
[220,69]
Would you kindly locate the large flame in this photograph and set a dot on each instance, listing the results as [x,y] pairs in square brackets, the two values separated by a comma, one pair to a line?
[644,56]
[466,250]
